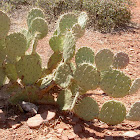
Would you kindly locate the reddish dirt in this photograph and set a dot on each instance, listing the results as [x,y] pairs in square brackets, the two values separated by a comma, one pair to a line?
[62,127]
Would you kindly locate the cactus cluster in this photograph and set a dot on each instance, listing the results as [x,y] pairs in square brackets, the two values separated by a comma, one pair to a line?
[74,72]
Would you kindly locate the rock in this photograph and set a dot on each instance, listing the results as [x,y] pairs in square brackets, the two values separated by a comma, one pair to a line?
[48,115]
[2,116]
[77,128]
[29,107]
[131,134]
[64,138]
[35,122]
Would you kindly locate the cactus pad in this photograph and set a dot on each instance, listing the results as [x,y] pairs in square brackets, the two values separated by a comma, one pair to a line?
[134,113]
[104,59]
[121,60]
[78,31]
[135,86]
[87,76]
[68,46]
[63,75]
[115,84]
[4,25]
[66,22]
[82,19]
[112,112]
[29,68]
[34,13]
[15,45]
[84,55]
[56,43]
[10,70]
[64,99]
[53,61]
[3,76]
[39,25]
[87,109]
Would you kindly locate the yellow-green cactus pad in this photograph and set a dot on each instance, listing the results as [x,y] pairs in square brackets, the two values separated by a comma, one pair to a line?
[68,46]
[104,59]
[134,112]
[15,45]
[35,12]
[64,99]
[135,86]
[3,77]
[84,55]
[54,60]
[82,19]
[87,76]
[66,21]
[4,25]
[11,72]
[87,109]
[112,112]
[40,26]
[56,43]
[115,83]
[29,69]
[63,75]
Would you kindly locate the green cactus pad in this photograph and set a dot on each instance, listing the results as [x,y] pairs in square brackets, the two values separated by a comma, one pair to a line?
[34,13]
[64,99]
[115,84]
[121,60]
[66,22]
[2,44]
[4,25]
[10,70]
[63,75]
[15,45]
[56,43]
[78,31]
[104,59]
[3,76]
[82,19]
[87,109]
[134,113]
[54,60]
[112,112]
[39,25]
[68,46]
[84,55]
[135,86]
[87,76]
[29,68]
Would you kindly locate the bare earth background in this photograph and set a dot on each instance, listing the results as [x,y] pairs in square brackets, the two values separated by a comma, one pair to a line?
[64,125]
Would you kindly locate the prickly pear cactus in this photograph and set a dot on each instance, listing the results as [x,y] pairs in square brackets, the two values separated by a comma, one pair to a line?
[115,84]
[87,76]
[35,12]
[104,59]
[40,26]
[2,51]
[29,68]
[15,46]
[135,86]
[53,61]
[68,46]
[66,22]
[87,109]
[112,112]
[64,99]
[4,25]
[121,60]
[84,55]
[63,75]
[3,76]
[82,19]
[134,112]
